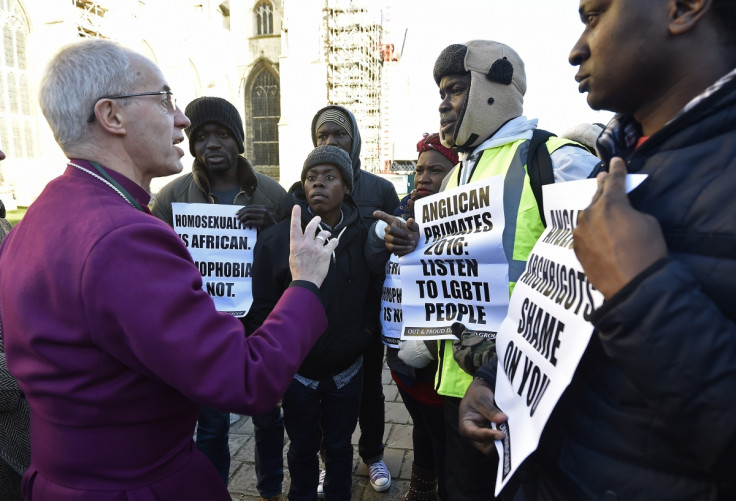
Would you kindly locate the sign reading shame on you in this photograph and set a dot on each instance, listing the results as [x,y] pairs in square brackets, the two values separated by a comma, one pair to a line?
[544,336]
[458,272]
[222,250]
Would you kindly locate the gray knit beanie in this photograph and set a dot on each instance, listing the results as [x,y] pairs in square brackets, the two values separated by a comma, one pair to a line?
[204,110]
[330,155]
[497,88]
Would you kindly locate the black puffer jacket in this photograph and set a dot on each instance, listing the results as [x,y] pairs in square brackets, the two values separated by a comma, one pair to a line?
[370,193]
[651,411]
[344,291]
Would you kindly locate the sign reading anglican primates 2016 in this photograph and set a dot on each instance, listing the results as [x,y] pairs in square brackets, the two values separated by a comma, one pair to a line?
[547,328]
[222,250]
[458,272]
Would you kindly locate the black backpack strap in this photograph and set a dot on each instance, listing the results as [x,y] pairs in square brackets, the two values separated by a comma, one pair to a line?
[539,167]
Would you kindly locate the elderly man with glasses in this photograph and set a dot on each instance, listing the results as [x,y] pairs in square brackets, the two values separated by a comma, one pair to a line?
[103,313]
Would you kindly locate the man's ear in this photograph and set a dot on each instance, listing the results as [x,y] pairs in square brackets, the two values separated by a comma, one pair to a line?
[685,14]
[347,188]
[108,114]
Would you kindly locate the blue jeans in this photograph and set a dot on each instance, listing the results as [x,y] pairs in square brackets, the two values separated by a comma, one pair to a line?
[269,453]
[325,415]
[213,429]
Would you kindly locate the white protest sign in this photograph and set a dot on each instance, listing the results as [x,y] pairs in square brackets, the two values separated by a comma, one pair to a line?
[391,313]
[458,272]
[222,250]
[547,329]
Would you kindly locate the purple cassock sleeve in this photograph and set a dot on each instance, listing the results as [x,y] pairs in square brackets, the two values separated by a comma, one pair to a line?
[144,300]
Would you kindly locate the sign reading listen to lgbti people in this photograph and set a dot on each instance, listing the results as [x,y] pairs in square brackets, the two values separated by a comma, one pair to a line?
[547,329]
[458,272]
[222,250]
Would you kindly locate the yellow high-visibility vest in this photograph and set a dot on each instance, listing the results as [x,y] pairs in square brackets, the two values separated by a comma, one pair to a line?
[523,227]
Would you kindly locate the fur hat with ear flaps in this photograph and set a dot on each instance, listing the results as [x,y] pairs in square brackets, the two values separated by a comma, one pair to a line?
[497,88]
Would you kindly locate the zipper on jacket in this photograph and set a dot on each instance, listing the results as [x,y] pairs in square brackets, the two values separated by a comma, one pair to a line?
[440,363]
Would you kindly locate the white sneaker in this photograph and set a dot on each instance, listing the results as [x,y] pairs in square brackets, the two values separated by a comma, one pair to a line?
[321,485]
[380,476]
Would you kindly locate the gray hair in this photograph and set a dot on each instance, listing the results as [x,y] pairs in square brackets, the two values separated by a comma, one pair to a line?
[75,79]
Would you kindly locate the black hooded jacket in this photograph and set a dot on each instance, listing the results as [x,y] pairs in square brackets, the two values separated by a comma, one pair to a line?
[370,192]
[344,291]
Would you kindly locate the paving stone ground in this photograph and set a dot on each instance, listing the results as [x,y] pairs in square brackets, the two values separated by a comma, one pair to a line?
[398,454]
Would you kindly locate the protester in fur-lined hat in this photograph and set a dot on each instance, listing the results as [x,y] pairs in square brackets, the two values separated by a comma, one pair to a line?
[482,85]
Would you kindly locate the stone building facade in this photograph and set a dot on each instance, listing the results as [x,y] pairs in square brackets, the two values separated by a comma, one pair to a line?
[275,60]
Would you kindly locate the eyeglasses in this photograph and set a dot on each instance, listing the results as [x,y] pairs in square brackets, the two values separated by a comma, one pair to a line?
[170,100]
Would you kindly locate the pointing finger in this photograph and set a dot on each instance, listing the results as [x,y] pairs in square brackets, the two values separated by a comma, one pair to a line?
[296,223]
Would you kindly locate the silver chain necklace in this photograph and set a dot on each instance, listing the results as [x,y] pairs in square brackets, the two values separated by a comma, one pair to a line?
[103,180]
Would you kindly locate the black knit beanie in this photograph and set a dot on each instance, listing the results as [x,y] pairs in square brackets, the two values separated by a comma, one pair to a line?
[205,110]
[330,155]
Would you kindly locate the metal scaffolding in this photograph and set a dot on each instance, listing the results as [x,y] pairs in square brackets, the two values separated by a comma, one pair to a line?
[91,18]
[354,66]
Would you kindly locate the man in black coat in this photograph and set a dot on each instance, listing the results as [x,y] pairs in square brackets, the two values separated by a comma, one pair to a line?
[220,175]
[650,412]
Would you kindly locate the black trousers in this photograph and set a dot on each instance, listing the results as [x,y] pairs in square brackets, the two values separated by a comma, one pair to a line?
[470,475]
[372,404]
[428,438]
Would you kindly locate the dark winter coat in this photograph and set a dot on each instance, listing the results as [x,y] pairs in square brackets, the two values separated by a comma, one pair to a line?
[345,290]
[256,189]
[651,411]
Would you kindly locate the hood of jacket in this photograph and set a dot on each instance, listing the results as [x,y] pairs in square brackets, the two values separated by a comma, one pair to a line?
[355,148]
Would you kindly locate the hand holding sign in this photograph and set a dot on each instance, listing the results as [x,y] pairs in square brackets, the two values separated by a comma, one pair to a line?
[547,327]
[255,216]
[310,253]
[477,411]
[613,241]
[401,237]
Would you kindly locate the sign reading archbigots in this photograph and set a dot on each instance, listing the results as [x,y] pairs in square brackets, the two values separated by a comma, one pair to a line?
[458,272]
[391,312]
[222,250]
[547,329]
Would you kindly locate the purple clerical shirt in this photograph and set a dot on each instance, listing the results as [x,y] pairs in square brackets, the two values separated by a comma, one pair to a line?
[116,345]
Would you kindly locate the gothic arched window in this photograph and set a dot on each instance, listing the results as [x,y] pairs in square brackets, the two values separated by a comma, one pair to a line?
[264,18]
[17,131]
[265,97]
